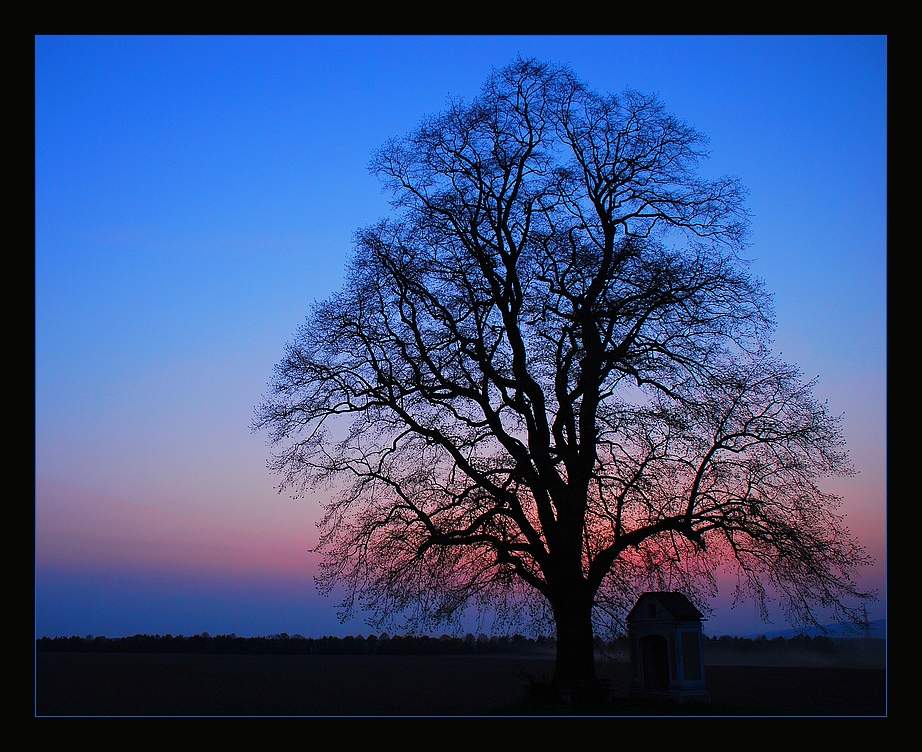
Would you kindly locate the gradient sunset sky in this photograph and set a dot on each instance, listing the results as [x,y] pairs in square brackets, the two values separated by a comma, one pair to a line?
[194,196]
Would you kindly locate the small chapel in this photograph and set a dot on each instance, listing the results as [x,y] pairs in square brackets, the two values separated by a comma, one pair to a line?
[664,631]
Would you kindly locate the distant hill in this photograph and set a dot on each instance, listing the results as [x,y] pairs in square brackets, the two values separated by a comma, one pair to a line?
[877,629]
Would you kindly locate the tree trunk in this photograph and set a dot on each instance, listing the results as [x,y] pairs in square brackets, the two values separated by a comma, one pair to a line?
[574,671]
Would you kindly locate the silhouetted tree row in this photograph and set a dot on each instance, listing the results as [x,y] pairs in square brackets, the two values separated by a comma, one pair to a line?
[284,644]
[763,644]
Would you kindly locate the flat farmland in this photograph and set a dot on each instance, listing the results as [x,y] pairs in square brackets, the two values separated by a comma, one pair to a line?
[138,684]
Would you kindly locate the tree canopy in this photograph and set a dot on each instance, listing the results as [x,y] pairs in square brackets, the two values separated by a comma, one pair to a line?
[547,384]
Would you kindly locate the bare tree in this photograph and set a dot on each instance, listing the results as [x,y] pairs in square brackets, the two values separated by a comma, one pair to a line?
[546,384]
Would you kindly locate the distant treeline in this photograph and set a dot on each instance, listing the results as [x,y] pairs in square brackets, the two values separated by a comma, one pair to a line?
[284,644]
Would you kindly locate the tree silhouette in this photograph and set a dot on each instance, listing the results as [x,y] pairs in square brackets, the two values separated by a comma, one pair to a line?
[546,385]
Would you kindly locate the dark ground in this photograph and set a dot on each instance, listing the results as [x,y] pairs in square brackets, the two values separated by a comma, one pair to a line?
[106,684]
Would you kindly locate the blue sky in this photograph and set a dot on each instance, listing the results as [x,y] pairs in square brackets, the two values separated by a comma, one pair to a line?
[194,196]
